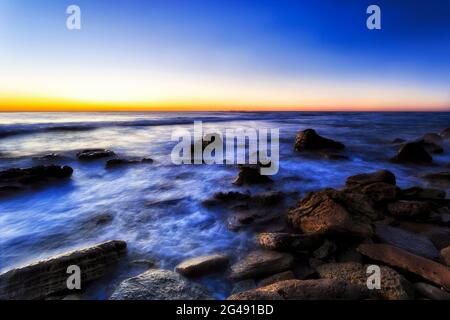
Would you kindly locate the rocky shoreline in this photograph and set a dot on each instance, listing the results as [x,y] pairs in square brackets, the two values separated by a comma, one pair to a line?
[316,247]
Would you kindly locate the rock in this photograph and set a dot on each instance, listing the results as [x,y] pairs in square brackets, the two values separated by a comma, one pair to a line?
[335,156]
[437,176]
[446,133]
[401,259]
[251,218]
[231,196]
[432,137]
[445,255]
[14,180]
[288,241]
[381,176]
[158,284]
[323,212]
[251,175]
[271,198]
[287,275]
[326,249]
[430,147]
[200,266]
[393,285]
[350,255]
[321,289]
[94,154]
[148,263]
[259,264]
[409,209]
[412,152]
[43,278]
[412,242]
[431,292]
[398,141]
[418,193]
[309,140]
[114,163]
[438,235]
[380,192]
[243,285]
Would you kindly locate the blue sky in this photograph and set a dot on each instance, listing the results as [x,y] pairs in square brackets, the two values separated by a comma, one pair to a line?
[287,53]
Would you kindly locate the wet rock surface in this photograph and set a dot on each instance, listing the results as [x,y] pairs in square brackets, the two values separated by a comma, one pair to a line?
[251,175]
[413,152]
[200,266]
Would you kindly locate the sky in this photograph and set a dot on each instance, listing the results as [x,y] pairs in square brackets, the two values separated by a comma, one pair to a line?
[224,55]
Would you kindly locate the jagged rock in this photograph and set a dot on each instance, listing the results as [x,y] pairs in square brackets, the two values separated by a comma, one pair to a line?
[326,212]
[401,259]
[43,278]
[251,175]
[270,198]
[418,193]
[288,241]
[431,292]
[363,179]
[94,154]
[14,180]
[406,240]
[393,285]
[200,266]
[259,264]
[286,275]
[321,289]
[445,255]
[309,140]
[412,152]
[158,284]
[440,236]
[409,209]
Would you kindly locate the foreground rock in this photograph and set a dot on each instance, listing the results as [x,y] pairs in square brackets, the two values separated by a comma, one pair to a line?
[46,277]
[445,255]
[95,154]
[431,292]
[364,179]
[399,258]
[260,263]
[322,289]
[200,266]
[412,152]
[394,286]
[286,275]
[333,212]
[410,209]
[14,180]
[412,242]
[250,175]
[288,241]
[157,284]
[309,140]
[114,163]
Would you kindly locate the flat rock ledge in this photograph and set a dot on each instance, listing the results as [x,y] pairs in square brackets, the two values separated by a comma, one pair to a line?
[200,266]
[43,278]
[158,284]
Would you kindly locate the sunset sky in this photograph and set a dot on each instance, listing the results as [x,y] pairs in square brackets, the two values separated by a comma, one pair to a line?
[227,55]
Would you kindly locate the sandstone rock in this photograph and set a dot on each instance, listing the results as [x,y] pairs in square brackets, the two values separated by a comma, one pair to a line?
[380,191]
[259,264]
[418,193]
[412,152]
[431,292]
[251,175]
[393,285]
[287,275]
[288,241]
[309,140]
[445,255]
[399,258]
[200,266]
[406,240]
[157,284]
[243,285]
[322,289]
[381,176]
[43,278]
[94,154]
[323,212]
[409,209]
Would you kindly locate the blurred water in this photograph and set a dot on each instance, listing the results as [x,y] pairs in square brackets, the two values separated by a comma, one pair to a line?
[157,208]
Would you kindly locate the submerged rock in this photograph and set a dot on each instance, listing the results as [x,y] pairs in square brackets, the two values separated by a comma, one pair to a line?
[412,152]
[309,140]
[401,259]
[94,154]
[200,266]
[158,284]
[251,175]
[321,289]
[394,286]
[43,278]
[13,180]
[260,263]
